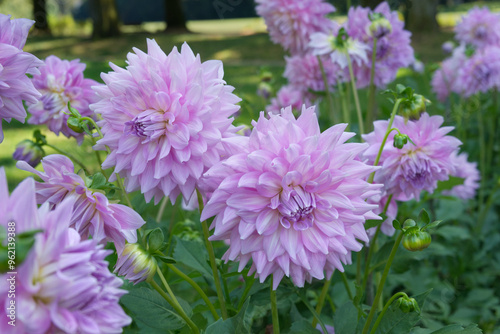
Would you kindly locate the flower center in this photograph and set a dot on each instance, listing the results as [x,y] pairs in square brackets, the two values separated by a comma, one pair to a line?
[480,32]
[150,124]
[296,207]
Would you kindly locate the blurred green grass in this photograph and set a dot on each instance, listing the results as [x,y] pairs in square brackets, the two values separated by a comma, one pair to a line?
[242,44]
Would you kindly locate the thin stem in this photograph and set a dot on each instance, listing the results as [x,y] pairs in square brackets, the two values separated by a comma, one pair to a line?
[321,300]
[388,131]
[98,129]
[163,204]
[482,156]
[274,309]
[167,286]
[346,284]
[370,115]
[345,110]
[486,208]
[311,309]
[213,264]
[386,307]
[327,90]
[380,287]
[196,287]
[72,157]
[180,311]
[245,293]
[356,98]
[358,268]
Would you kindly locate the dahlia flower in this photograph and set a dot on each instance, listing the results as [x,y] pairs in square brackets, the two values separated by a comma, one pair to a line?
[339,48]
[479,73]
[448,47]
[444,80]
[163,119]
[15,86]
[60,82]
[63,285]
[304,73]
[406,172]
[288,96]
[468,171]
[290,198]
[291,23]
[136,264]
[93,214]
[393,48]
[479,27]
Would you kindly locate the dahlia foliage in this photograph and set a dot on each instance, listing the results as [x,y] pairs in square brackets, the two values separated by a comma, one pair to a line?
[289,199]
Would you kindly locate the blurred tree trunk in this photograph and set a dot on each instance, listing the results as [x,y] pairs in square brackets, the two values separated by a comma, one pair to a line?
[105,18]
[174,15]
[40,15]
[370,3]
[421,16]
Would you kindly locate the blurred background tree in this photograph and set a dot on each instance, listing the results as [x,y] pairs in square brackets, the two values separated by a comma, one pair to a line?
[40,16]
[105,18]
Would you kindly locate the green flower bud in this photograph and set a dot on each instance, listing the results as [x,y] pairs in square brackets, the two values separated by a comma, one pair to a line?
[29,151]
[380,27]
[408,304]
[416,240]
[414,107]
[74,124]
[400,140]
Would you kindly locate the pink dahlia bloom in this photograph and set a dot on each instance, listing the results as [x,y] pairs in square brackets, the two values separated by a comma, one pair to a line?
[444,80]
[64,284]
[469,172]
[291,23]
[479,27]
[93,215]
[479,73]
[60,82]
[406,172]
[291,199]
[15,86]
[163,119]
[304,73]
[288,96]
[393,48]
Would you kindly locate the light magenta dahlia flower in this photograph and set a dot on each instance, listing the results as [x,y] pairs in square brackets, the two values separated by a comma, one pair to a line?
[15,86]
[64,284]
[163,119]
[469,172]
[93,214]
[291,23]
[444,80]
[291,199]
[406,172]
[288,96]
[60,82]
[480,28]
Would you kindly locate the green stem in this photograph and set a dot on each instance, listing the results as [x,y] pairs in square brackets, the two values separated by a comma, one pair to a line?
[196,287]
[482,157]
[346,284]
[386,307]
[486,208]
[358,267]
[321,300]
[245,293]
[327,90]
[167,286]
[356,98]
[311,309]
[72,157]
[163,204]
[345,109]
[213,264]
[98,129]
[380,287]
[180,311]
[387,132]
[274,309]
[370,115]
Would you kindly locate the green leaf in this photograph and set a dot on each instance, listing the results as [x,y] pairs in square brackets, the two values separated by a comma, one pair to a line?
[450,183]
[165,259]
[431,225]
[424,217]
[346,319]
[155,240]
[452,329]
[151,309]
[237,324]
[373,223]
[98,181]
[192,254]
[302,327]
[396,321]
[396,224]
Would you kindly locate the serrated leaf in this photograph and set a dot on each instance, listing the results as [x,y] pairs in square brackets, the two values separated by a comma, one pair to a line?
[450,183]
[346,319]
[236,324]
[98,181]
[396,224]
[155,240]
[192,254]
[452,329]
[424,217]
[151,309]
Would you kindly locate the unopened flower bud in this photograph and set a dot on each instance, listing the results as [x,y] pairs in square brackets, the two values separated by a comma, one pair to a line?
[408,304]
[29,151]
[416,240]
[74,124]
[414,107]
[264,90]
[136,264]
[380,27]
[400,140]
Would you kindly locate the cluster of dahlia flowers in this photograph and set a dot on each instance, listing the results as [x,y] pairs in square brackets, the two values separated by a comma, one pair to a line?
[474,64]
[15,86]
[64,284]
[305,31]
